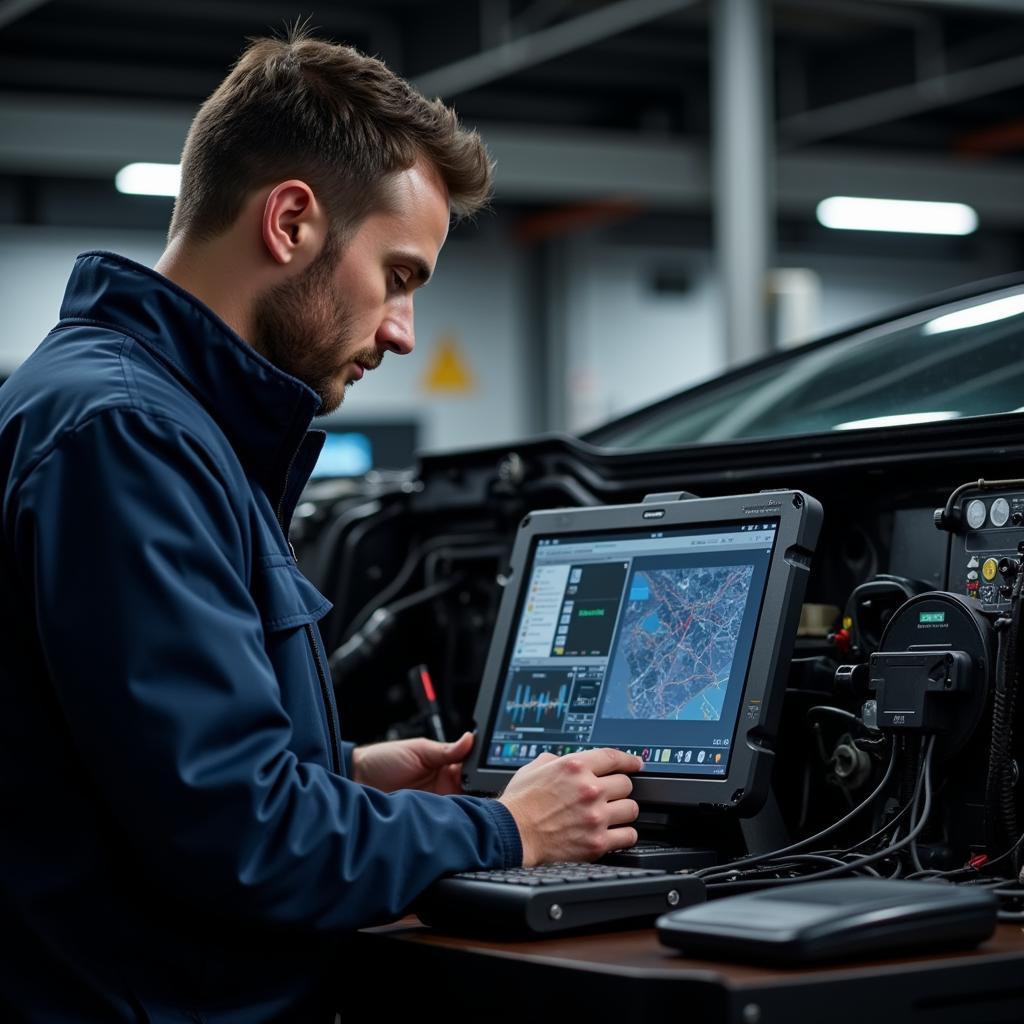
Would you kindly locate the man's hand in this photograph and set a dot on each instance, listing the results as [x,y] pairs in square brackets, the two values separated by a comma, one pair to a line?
[575,807]
[412,764]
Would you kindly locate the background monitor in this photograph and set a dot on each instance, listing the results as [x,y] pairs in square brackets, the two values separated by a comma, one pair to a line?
[354,447]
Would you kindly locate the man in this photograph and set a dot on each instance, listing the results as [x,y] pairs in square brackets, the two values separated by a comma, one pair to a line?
[184,834]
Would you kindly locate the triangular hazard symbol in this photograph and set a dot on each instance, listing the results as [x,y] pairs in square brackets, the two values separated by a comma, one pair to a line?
[448,371]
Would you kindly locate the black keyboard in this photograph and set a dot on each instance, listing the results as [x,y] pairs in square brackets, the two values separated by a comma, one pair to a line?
[650,853]
[553,898]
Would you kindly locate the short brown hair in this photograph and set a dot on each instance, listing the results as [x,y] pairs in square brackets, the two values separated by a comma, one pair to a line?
[303,108]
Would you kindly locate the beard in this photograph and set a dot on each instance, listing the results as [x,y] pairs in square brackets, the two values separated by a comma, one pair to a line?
[306,331]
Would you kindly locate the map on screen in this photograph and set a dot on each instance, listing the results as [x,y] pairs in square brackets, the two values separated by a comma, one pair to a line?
[678,640]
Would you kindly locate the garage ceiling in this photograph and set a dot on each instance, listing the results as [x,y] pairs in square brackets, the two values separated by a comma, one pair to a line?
[902,86]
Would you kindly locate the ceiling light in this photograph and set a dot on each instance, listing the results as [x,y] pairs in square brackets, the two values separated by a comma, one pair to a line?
[850,213]
[149,179]
[975,316]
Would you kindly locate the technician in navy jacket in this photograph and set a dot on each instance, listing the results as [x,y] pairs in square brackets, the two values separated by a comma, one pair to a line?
[183,834]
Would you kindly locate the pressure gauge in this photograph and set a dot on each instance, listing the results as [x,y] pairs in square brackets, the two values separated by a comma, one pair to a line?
[976,514]
[1000,512]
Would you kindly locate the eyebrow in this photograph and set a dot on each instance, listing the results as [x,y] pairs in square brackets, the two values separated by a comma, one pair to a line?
[419,267]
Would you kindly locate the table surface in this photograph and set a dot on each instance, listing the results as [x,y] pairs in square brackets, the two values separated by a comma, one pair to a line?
[638,953]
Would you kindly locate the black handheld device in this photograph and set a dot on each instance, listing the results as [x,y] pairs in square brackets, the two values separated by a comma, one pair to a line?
[831,920]
[663,628]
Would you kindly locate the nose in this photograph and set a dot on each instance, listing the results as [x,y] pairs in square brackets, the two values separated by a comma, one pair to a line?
[396,333]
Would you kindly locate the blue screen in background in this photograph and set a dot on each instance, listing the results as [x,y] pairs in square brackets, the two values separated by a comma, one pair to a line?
[344,455]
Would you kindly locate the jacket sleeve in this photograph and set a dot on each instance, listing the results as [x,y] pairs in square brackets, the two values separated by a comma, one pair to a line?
[136,552]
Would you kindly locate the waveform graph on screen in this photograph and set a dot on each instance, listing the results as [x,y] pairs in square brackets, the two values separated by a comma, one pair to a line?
[536,700]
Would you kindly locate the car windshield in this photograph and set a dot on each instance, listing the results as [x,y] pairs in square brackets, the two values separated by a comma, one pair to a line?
[964,359]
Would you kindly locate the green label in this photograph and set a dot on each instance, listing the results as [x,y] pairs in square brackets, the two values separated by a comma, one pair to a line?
[590,613]
[931,617]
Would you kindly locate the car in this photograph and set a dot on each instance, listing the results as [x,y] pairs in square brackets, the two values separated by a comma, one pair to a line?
[881,423]
[949,359]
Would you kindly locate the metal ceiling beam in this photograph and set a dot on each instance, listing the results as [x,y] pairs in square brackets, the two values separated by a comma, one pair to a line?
[901,101]
[132,78]
[265,18]
[90,138]
[11,10]
[58,137]
[546,44]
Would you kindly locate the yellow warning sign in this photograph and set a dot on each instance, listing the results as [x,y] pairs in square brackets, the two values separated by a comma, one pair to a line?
[448,370]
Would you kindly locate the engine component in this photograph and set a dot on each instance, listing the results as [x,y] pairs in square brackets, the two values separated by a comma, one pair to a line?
[941,644]
[933,672]
[869,609]
[915,690]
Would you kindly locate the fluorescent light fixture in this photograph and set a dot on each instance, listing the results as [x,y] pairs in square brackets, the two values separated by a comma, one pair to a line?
[149,179]
[850,213]
[975,316]
[904,419]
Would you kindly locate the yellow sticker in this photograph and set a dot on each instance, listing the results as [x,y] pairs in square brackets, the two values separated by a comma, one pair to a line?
[448,370]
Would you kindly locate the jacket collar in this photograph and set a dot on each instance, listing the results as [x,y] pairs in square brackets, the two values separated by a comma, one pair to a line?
[264,412]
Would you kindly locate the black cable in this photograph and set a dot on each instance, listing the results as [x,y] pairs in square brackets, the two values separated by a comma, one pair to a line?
[915,859]
[363,644]
[835,711]
[426,594]
[1014,892]
[1007,796]
[923,779]
[971,869]
[405,574]
[1000,798]
[793,847]
[850,850]
[1008,853]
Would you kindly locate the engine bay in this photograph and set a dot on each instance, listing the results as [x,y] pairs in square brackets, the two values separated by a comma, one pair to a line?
[911,600]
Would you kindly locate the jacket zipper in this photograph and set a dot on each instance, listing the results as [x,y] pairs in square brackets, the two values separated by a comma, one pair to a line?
[325,695]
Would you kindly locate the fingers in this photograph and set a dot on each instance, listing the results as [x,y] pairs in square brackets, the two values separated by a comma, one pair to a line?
[622,812]
[616,787]
[460,749]
[537,762]
[621,838]
[438,754]
[607,760]
[620,761]
[449,782]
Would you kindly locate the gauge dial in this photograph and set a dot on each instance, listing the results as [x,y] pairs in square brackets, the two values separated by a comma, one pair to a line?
[1000,512]
[976,514]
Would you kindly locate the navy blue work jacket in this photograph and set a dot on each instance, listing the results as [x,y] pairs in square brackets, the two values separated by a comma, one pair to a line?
[178,838]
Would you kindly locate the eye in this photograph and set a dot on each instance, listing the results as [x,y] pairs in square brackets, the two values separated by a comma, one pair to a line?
[399,279]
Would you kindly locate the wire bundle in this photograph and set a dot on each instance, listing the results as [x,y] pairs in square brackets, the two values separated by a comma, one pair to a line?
[890,852]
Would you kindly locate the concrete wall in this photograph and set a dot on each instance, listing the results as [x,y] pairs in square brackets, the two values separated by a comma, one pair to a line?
[629,345]
[34,268]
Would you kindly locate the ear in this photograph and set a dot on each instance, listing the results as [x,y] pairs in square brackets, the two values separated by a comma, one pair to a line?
[294,224]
